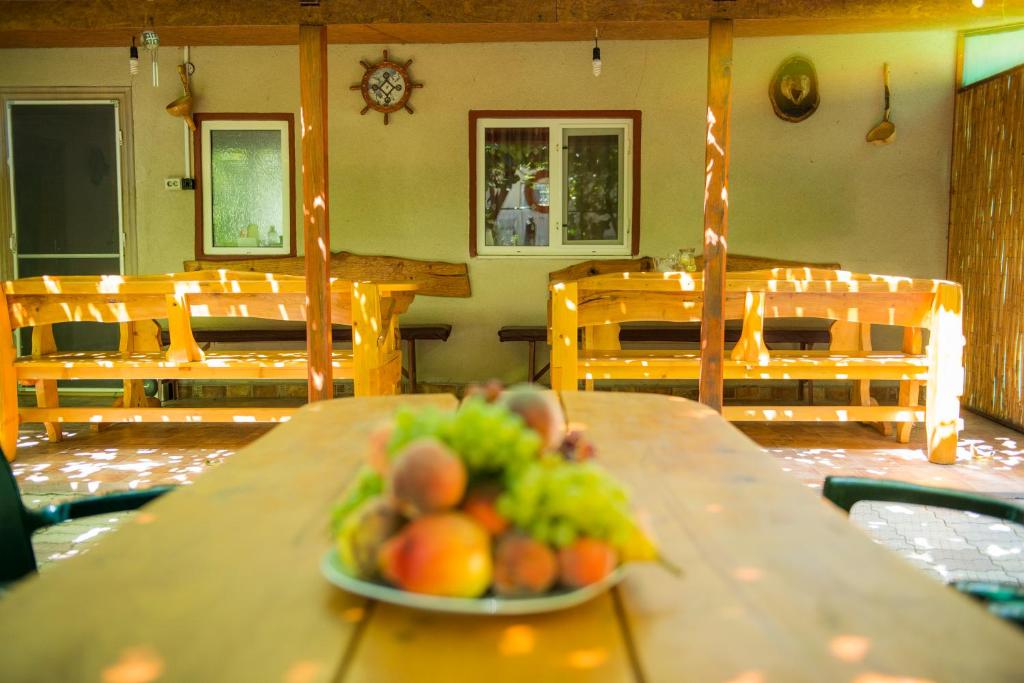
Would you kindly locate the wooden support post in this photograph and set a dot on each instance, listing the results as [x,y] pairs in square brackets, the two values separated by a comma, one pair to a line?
[945,374]
[910,391]
[716,212]
[564,331]
[46,389]
[9,418]
[315,225]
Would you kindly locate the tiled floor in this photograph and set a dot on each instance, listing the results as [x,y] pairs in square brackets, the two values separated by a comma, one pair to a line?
[951,545]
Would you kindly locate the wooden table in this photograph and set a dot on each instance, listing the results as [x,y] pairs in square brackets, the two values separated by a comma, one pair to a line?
[220,581]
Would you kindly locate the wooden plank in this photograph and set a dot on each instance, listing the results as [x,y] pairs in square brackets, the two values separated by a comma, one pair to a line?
[226,365]
[778,586]
[51,23]
[857,413]
[100,414]
[432,278]
[217,581]
[316,226]
[909,391]
[716,211]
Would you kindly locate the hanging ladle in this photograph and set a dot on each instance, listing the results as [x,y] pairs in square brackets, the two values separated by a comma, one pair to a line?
[884,132]
[183,105]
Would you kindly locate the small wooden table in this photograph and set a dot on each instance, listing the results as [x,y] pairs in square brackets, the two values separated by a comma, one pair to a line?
[220,581]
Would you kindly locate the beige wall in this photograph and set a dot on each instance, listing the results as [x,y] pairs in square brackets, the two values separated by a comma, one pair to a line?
[813,190]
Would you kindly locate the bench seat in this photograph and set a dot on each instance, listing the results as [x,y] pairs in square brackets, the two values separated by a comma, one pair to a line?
[227,365]
[648,364]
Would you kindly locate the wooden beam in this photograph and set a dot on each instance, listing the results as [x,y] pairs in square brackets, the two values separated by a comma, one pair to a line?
[315,224]
[716,211]
[57,23]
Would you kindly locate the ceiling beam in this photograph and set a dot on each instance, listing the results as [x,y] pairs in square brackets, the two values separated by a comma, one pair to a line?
[57,23]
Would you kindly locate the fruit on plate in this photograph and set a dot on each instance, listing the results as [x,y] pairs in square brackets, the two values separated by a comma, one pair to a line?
[495,496]
[482,505]
[586,561]
[363,531]
[441,554]
[540,410]
[523,566]
[427,477]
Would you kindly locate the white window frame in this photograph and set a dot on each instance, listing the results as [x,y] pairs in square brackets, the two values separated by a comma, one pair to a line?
[282,126]
[557,126]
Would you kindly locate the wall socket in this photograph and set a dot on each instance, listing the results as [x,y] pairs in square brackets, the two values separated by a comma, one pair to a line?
[179,183]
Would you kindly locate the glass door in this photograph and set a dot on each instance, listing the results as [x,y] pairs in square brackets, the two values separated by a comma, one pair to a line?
[65,170]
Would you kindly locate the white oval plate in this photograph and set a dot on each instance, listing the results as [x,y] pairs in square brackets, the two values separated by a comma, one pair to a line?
[332,569]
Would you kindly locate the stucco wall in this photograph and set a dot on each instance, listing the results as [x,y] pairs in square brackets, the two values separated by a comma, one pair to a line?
[813,190]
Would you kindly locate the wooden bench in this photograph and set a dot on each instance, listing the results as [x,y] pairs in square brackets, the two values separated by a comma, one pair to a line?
[599,304]
[687,333]
[410,335]
[134,303]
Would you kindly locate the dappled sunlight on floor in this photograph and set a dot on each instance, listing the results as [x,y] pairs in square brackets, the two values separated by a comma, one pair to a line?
[119,458]
[951,545]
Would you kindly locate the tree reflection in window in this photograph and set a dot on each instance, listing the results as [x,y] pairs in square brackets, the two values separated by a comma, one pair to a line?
[513,159]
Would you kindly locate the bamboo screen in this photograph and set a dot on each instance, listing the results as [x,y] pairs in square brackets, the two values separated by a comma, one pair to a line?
[986,241]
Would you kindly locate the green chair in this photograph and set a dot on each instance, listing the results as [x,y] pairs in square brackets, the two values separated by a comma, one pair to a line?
[1004,600]
[18,523]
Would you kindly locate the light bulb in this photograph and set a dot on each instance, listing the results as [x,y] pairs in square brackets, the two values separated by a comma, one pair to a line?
[978,3]
[596,63]
[133,59]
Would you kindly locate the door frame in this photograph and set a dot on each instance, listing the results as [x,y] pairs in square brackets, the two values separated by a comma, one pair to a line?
[120,95]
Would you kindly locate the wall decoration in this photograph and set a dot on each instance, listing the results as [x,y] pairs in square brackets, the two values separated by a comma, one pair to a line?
[794,90]
[245,185]
[386,86]
[183,105]
[885,131]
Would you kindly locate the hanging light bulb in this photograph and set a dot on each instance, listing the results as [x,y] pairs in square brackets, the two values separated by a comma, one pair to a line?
[151,41]
[133,59]
[596,63]
[978,3]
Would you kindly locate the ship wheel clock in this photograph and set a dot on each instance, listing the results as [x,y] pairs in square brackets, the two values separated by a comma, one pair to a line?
[386,86]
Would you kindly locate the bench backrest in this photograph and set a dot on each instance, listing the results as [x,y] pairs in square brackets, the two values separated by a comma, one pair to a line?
[854,301]
[121,298]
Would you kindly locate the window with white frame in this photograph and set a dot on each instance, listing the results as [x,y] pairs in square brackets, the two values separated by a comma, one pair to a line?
[554,183]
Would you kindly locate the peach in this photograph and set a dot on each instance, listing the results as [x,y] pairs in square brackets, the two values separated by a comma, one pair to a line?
[377,456]
[523,566]
[481,505]
[445,554]
[426,477]
[539,409]
[586,561]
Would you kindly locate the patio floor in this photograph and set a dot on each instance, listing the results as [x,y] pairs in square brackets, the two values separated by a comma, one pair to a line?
[951,545]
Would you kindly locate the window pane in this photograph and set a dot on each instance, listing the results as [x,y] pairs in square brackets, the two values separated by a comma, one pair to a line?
[593,163]
[65,178]
[247,199]
[516,190]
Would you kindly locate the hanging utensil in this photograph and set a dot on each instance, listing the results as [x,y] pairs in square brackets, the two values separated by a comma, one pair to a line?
[884,132]
[183,105]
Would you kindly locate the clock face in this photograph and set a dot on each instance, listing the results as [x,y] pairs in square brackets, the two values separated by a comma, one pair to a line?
[387,87]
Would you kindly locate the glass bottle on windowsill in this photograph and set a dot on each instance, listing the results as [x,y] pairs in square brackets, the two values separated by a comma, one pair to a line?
[687,260]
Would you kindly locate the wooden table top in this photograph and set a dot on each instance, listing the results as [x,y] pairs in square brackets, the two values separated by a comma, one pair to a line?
[220,581]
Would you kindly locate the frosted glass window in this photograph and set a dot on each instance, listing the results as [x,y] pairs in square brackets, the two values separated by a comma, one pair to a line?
[987,54]
[246,187]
